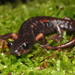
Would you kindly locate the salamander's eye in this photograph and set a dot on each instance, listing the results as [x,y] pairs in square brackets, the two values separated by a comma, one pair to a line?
[25,46]
[10,44]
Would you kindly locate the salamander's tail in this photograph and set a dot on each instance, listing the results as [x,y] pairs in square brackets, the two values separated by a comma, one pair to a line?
[65,45]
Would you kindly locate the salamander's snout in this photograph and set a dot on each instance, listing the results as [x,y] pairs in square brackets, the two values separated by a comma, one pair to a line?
[19,52]
[16,52]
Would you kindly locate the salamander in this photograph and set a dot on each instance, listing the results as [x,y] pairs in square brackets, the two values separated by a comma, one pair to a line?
[35,29]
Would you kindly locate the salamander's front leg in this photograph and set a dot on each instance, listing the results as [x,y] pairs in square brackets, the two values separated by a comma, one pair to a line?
[3,43]
[57,37]
[9,35]
[42,38]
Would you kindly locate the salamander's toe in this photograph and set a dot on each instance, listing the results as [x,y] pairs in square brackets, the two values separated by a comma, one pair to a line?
[56,38]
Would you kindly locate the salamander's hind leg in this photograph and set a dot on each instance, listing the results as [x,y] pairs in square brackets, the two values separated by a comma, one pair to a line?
[59,31]
[42,38]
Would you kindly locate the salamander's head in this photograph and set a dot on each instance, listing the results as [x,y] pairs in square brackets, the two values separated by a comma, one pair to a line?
[19,47]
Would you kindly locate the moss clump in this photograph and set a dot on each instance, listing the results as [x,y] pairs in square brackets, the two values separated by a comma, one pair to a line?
[10,21]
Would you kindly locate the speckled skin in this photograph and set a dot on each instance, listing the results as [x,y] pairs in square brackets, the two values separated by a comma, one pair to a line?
[34,26]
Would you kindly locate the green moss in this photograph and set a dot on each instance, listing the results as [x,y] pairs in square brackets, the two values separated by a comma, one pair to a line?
[10,21]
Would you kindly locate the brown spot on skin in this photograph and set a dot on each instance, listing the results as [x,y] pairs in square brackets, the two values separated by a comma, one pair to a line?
[14,36]
[52,20]
[31,26]
[43,20]
[50,28]
[30,19]
[28,33]
[67,21]
[34,23]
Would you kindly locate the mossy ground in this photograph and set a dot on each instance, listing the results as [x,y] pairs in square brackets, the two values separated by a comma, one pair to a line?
[12,17]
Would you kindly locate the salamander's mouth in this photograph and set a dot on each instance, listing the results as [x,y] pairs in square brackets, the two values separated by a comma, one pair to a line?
[19,53]
[15,52]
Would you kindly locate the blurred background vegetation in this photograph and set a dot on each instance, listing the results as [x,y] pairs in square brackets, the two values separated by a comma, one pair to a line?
[66,2]
[12,14]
